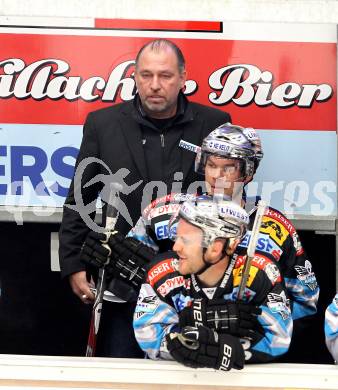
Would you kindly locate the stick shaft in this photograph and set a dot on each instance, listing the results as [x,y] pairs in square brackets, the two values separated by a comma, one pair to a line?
[112,215]
[251,248]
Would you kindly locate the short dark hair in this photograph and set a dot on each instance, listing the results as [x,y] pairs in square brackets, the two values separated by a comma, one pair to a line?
[160,44]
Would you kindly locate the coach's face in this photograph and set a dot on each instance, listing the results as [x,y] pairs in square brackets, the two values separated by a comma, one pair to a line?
[159,81]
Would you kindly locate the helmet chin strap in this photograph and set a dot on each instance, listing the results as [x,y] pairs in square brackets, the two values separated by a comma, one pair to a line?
[207,264]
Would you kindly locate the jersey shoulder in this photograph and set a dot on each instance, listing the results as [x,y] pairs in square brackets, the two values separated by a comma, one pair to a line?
[162,266]
[157,214]
[163,275]
[278,229]
[275,216]
[281,229]
[167,204]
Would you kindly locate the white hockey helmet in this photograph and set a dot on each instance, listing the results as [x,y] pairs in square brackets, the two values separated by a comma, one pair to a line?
[216,218]
[233,142]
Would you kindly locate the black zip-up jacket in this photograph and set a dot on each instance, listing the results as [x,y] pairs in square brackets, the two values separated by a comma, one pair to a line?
[117,145]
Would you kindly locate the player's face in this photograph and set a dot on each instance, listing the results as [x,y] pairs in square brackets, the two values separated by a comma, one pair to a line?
[221,174]
[159,80]
[188,246]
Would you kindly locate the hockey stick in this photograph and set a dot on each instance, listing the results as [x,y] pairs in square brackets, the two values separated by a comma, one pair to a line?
[251,248]
[111,219]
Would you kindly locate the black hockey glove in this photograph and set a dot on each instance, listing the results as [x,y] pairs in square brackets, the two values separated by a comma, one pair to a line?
[95,251]
[131,257]
[203,347]
[237,319]
[124,258]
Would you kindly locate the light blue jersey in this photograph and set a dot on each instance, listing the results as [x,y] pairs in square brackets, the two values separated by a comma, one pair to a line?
[166,293]
[331,327]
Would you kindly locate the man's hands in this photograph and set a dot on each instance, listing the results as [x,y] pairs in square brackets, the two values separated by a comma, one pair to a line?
[127,259]
[237,319]
[203,347]
[81,287]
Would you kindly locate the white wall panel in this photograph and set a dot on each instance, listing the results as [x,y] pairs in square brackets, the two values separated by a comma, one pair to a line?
[314,11]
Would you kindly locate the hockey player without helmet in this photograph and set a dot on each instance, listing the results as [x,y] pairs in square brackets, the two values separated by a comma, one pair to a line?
[216,218]
[232,142]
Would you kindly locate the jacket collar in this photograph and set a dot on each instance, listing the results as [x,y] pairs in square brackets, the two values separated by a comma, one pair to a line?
[133,116]
[182,115]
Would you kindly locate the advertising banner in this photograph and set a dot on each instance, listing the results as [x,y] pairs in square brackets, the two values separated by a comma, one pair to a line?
[281,82]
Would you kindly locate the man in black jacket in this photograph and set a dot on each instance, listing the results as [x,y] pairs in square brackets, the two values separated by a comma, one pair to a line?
[138,142]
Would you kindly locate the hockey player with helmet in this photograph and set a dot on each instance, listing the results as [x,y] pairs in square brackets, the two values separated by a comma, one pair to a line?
[228,158]
[278,236]
[245,153]
[331,328]
[172,321]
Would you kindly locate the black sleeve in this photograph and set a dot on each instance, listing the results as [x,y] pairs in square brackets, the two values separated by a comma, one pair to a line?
[73,229]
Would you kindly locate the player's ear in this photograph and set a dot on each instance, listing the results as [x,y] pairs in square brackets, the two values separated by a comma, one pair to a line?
[232,245]
[215,250]
[183,79]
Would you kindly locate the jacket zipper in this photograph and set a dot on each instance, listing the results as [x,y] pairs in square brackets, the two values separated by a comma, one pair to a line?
[162,140]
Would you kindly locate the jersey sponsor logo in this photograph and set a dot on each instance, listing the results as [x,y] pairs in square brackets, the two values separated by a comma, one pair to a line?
[146,305]
[280,218]
[181,301]
[275,230]
[247,297]
[297,244]
[272,272]
[139,314]
[262,263]
[172,283]
[160,270]
[306,276]
[279,303]
[258,261]
[264,244]
[289,227]
[238,272]
[162,230]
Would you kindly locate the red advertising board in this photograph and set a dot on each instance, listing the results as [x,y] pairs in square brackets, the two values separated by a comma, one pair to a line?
[58,79]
